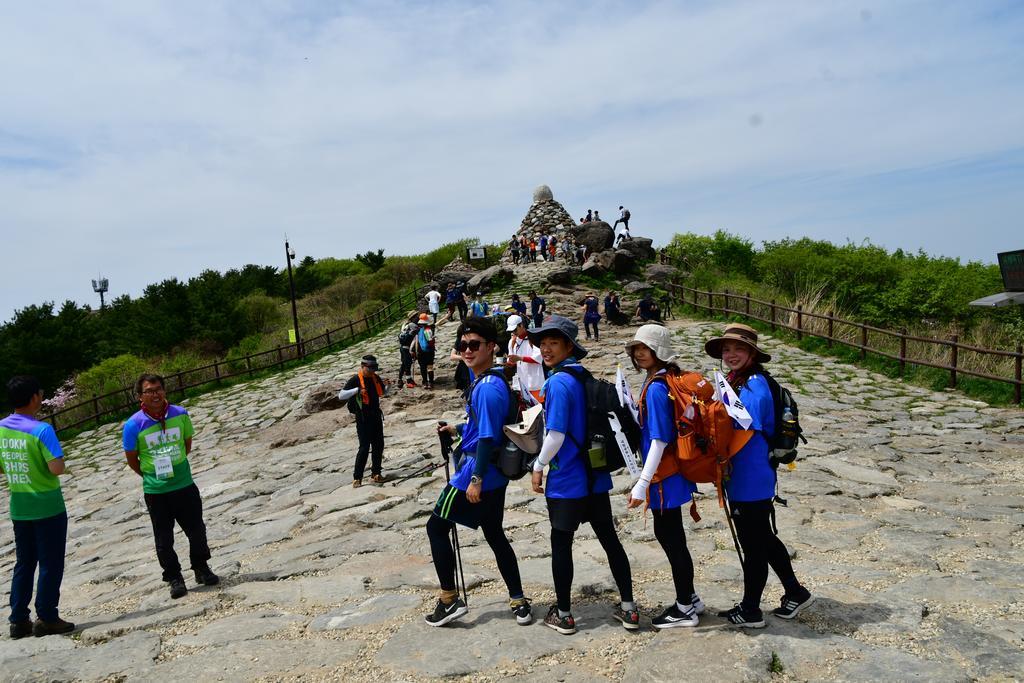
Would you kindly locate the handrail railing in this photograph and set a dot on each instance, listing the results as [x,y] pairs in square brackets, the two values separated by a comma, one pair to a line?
[228,368]
[708,300]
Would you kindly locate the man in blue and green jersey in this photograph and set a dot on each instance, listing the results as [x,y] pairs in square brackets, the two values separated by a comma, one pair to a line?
[157,441]
[32,458]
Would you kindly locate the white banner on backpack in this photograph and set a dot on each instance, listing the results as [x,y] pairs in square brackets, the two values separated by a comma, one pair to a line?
[733,405]
[626,393]
[627,453]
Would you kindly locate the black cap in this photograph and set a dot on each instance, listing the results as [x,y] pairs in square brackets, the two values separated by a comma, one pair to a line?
[369,361]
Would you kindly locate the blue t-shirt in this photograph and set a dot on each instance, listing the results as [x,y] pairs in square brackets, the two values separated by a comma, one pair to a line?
[591,315]
[490,409]
[519,307]
[536,305]
[451,296]
[658,422]
[565,411]
[479,309]
[752,477]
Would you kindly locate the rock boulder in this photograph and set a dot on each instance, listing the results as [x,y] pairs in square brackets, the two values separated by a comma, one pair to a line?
[324,397]
[482,280]
[623,262]
[560,276]
[597,236]
[640,247]
[657,272]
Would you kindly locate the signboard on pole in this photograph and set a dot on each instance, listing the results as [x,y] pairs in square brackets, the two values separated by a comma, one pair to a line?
[1011,265]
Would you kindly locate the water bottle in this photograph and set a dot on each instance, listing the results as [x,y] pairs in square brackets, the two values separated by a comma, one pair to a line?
[596,453]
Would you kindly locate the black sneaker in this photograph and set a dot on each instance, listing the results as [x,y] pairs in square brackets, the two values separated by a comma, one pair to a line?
[737,616]
[20,629]
[50,628]
[697,603]
[564,625]
[630,618]
[443,613]
[178,589]
[674,617]
[205,577]
[793,606]
[521,609]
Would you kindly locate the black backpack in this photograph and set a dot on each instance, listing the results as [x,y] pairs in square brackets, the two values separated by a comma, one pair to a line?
[405,338]
[512,461]
[602,398]
[788,432]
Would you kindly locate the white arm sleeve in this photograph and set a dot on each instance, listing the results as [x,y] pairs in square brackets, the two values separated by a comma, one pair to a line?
[552,442]
[346,394]
[654,454]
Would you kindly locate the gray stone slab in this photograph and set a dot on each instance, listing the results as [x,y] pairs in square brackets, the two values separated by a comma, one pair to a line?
[888,664]
[148,617]
[245,626]
[311,590]
[112,659]
[375,610]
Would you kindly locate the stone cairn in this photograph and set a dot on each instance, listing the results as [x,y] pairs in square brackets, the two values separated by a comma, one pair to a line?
[546,215]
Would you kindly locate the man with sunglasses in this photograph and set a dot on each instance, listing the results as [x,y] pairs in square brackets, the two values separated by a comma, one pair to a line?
[475,496]
[157,441]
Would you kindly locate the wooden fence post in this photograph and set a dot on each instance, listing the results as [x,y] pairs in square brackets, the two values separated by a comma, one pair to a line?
[725,304]
[96,409]
[216,370]
[711,303]
[773,314]
[248,364]
[953,357]
[178,377]
[903,350]
[863,341]
[327,331]
[351,330]
[747,299]
[799,322]
[1016,373]
[830,334]
[280,356]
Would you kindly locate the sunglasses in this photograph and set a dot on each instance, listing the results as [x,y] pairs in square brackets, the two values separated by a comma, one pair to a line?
[473,345]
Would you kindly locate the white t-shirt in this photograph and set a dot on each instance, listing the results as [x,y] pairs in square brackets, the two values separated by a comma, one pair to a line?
[433,297]
[531,375]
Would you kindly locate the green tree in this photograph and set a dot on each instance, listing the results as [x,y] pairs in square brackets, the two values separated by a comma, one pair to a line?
[374,260]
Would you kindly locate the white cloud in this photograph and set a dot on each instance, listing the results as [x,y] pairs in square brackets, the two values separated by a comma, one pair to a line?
[151,140]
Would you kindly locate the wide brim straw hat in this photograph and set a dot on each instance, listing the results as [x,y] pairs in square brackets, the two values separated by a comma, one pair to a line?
[736,332]
[655,337]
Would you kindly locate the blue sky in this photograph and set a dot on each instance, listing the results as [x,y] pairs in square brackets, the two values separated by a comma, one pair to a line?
[149,140]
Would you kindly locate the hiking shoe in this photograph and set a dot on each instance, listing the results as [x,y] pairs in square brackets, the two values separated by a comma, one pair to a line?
[50,628]
[178,589]
[697,603]
[377,479]
[205,577]
[564,625]
[356,483]
[793,606]
[443,613]
[630,618]
[410,385]
[737,616]
[673,617]
[20,629]
[521,609]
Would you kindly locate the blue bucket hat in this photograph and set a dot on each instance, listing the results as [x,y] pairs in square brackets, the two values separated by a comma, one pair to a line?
[562,325]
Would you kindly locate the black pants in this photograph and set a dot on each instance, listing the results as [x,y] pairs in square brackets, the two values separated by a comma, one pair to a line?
[761,549]
[370,429]
[38,543]
[668,529]
[426,363]
[538,320]
[588,325]
[492,513]
[599,514]
[624,221]
[463,309]
[185,507]
[406,369]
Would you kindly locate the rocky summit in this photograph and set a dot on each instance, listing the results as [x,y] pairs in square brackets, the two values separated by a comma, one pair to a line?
[905,517]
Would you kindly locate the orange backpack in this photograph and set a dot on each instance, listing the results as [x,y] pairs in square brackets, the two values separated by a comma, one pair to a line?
[706,439]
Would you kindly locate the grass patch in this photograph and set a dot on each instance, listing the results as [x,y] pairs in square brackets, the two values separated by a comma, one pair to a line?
[775,665]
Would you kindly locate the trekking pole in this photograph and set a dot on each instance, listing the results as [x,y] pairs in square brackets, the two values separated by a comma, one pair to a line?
[732,527]
[446,450]
[429,467]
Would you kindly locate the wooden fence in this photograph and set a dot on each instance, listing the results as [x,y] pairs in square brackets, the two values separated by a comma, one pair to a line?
[123,400]
[831,329]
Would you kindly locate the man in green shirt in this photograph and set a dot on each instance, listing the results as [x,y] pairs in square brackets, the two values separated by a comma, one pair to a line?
[157,441]
[32,458]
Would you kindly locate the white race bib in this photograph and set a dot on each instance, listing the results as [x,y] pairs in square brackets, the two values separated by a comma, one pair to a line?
[163,464]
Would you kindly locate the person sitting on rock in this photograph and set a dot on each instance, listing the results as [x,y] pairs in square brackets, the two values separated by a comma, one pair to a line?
[612,309]
[573,494]
[589,217]
[597,216]
[363,392]
[660,486]
[647,309]
[750,488]
[157,441]
[475,496]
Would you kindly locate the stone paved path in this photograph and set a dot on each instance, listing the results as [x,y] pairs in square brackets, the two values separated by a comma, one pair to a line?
[905,517]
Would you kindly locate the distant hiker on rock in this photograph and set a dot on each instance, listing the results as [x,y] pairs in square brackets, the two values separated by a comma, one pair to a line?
[460,299]
[529,377]
[589,217]
[533,250]
[537,308]
[157,441]
[552,248]
[422,349]
[405,339]
[543,245]
[32,460]
[647,309]
[567,247]
[451,300]
[581,253]
[613,310]
[661,487]
[597,216]
[363,392]
[623,218]
[475,496]
[574,495]
[433,298]
[750,488]
[591,317]
[518,307]
[513,247]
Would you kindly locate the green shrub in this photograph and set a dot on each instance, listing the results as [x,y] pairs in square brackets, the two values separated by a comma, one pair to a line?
[110,375]
[259,311]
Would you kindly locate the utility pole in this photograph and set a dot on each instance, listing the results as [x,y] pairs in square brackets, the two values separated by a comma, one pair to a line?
[100,286]
[289,255]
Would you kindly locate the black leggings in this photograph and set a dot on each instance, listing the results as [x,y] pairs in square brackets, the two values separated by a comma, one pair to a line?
[561,557]
[588,325]
[761,549]
[668,529]
[492,512]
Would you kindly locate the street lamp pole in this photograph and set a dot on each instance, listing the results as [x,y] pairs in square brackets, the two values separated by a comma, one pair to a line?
[289,255]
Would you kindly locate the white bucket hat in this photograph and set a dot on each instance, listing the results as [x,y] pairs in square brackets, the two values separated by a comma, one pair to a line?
[655,337]
[514,321]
